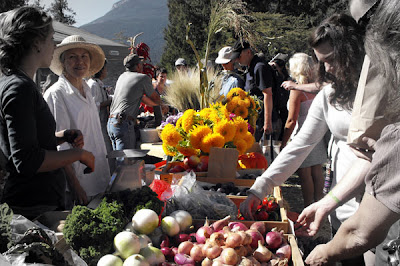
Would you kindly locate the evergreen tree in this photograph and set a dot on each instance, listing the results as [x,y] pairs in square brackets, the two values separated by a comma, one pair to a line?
[180,14]
[59,9]
[6,5]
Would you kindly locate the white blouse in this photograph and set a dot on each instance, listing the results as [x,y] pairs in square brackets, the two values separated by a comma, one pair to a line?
[72,111]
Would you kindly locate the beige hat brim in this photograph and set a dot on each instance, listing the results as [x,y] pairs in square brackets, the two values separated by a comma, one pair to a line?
[97,57]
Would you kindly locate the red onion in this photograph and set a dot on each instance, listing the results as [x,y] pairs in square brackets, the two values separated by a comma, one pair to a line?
[168,253]
[218,225]
[183,259]
[181,238]
[237,226]
[164,241]
[284,251]
[260,227]
[273,239]
[185,247]
[203,233]
[255,236]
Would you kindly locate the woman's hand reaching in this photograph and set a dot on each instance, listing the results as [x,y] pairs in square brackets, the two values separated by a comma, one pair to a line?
[249,207]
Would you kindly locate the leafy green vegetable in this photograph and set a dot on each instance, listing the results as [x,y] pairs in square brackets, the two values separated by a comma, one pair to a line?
[137,199]
[6,215]
[91,232]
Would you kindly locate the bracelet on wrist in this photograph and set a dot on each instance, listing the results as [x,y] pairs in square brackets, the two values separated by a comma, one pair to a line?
[334,197]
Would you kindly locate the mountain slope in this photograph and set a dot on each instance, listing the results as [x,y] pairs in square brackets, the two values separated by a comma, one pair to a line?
[134,16]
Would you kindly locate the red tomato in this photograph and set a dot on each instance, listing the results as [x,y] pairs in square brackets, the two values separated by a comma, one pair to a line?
[272,205]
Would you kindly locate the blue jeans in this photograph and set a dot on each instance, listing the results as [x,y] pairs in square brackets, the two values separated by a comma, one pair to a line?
[122,134]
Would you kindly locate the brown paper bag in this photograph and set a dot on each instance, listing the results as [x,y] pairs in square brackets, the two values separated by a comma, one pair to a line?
[222,163]
[367,118]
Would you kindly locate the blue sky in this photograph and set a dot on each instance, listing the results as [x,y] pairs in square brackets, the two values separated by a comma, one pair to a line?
[86,10]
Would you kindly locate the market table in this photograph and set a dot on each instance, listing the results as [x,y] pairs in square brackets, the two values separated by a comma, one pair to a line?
[156,149]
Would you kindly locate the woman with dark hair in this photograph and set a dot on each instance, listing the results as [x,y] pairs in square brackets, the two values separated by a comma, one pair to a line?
[28,141]
[380,206]
[337,44]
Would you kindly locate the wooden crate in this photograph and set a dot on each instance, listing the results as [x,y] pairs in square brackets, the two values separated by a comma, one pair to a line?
[297,259]
[281,225]
[236,181]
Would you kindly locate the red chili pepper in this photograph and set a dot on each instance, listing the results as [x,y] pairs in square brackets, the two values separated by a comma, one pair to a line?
[265,201]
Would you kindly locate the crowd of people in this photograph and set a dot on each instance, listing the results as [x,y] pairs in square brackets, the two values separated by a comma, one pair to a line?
[54,143]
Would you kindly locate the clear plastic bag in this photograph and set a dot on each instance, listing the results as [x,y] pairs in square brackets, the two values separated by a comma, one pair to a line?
[19,226]
[200,203]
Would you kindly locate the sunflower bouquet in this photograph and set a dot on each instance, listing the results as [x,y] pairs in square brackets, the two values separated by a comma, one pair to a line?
[216,126]
[240,103]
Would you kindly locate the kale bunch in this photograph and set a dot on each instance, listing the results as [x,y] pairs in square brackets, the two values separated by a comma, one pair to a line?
[137,199]
[6,215]
[91,232]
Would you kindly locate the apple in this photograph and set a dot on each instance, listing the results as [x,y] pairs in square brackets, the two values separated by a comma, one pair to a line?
[204,160]
[193,161]
[176,169]
[186,163]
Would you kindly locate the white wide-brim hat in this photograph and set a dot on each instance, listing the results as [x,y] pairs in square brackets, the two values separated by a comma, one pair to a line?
[97,56]
[225,55]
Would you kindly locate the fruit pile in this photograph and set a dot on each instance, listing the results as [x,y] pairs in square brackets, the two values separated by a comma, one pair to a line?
[193,162]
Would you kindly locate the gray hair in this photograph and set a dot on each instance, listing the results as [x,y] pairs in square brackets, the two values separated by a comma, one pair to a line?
[382,46]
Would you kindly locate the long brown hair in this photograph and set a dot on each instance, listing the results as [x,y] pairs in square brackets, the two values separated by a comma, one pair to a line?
[344,35]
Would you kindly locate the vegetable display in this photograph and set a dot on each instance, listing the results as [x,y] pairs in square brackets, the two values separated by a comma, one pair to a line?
[91,232]
[137,199]
[6,215]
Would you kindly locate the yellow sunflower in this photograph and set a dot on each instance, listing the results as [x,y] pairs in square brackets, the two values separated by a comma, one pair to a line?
[170,136]
[241,127]
[226,128]
[205,112]
[236,92]
[212,140]
[197,135]
[241,111]
[168,150]
[240,144]
[246,102]
[249,139]
[252,103]
[188,119]
[230,106]
[187,151]
[179,122]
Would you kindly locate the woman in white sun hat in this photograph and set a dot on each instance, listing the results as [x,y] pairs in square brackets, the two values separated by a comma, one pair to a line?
[71,102]
[231,79]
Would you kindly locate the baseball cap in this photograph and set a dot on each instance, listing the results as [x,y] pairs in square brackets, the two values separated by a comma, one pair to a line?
[180,62]
[239,46]
[225,55]
[359,8]
[132,60]
[280,56]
